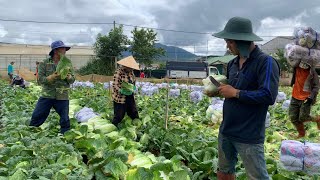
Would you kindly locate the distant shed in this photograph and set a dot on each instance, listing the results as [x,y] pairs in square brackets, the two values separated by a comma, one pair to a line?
[220,62]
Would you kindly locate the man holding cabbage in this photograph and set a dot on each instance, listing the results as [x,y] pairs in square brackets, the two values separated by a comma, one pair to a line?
[123,88]
[252,85]
[55,75]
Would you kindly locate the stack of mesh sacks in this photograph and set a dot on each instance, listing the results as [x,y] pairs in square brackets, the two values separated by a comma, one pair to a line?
[196,96]
[149,89]
[297,156]
[305,49]
[85,114]
[214,111]
[312,158]
[292,155]
[174,93]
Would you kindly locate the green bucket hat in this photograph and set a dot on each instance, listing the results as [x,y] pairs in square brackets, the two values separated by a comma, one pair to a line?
[238,28]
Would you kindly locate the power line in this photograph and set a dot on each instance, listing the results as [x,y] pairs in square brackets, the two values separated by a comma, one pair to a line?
[63,22]
[112,23]
[161,29]
[51,22]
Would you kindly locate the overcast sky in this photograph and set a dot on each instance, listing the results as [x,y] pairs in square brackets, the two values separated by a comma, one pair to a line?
[269,17]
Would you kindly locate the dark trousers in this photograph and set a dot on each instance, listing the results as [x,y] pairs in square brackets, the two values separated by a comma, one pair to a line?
[19,83]
[121,109]
[42,111]
[10,75]
[299,111]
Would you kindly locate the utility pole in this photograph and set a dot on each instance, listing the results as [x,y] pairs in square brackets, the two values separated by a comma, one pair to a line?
[207,51]
[194,49]
[115,58]
[115,63]
[175,51]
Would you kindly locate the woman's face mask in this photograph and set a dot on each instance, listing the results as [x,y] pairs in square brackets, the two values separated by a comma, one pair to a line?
[127,69]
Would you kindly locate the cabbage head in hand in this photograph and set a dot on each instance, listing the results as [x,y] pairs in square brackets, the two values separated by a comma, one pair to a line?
[64,67]
[210,89]
[127,88]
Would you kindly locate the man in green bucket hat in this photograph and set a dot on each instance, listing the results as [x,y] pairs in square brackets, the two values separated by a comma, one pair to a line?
[253,79]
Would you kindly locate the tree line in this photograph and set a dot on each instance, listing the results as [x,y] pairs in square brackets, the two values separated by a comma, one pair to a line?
[109,48]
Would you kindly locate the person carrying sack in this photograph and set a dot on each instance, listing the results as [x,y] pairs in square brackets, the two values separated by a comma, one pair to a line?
[305,89]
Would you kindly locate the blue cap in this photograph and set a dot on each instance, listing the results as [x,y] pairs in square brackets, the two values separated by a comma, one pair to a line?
[58,44]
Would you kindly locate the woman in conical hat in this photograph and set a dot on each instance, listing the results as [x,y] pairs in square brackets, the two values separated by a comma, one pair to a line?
[129,62]
[123,88]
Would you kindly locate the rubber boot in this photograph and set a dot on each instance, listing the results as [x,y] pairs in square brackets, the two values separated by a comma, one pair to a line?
[225,176]
[318,122]
[300,129]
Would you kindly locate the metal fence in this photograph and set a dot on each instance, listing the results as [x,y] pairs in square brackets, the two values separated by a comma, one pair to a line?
[29,60]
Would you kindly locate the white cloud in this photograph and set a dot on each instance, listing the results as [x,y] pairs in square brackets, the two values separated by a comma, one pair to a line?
[271,26]
[217,47]
[183,15]
[316,10]
[3,32]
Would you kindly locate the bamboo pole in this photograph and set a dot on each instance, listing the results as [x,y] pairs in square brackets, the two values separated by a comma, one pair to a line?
[110,95]
[167,105]
[188,88]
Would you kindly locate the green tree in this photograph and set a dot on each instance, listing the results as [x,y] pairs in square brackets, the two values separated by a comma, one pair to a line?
[162,65]
[107,48]
[143,46]
[284,65]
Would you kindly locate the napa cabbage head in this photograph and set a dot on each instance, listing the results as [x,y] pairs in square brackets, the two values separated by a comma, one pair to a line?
[127,86]
[209,88]
[64,67]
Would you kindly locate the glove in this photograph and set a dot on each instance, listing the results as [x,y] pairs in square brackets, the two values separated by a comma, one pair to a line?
[125,92]
[69,76]
[53,76]
[309,101]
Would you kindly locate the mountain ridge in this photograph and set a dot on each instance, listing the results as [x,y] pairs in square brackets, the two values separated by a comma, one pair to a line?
[172,53]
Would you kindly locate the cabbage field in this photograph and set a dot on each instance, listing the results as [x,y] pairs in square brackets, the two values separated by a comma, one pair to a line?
[142,149]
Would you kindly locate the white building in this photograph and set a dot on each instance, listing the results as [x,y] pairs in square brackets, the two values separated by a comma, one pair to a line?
[274,44]
[26,55]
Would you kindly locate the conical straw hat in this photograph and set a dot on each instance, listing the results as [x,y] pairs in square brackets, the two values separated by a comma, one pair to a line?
[129,62]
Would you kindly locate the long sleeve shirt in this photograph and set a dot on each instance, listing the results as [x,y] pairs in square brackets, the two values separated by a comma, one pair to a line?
[121,76]
[310,85]
[10,69]
[257,80]
[59,88]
